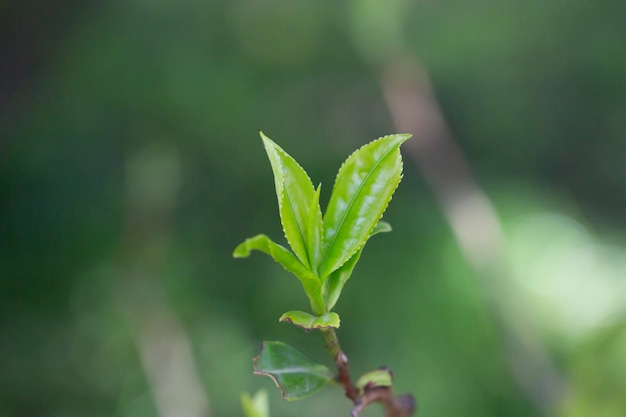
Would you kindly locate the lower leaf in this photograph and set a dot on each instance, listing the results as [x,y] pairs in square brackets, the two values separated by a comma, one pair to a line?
[309,322]
[294,374]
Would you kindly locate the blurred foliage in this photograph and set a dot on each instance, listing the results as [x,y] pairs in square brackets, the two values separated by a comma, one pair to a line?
[130,167]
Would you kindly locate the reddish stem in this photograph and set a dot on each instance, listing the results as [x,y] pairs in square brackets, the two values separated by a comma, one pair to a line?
[403,406]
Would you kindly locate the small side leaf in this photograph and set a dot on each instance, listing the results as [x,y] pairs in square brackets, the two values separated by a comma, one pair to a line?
[335,282]
[295,193]
[382,377]
[310,282]
[363,188]
[294,374]
[256,406]
[309,322]
[381,227]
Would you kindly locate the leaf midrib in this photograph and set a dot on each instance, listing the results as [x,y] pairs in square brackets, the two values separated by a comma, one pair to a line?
[303,240]
[300,232]
[298,370]
[325,259]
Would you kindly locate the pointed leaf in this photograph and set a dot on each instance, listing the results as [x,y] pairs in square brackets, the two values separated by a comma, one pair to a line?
[294,374]
[315,229]
[256,406]
[363,188]
[309,322]
[295,193]
[310,282]
[336,280]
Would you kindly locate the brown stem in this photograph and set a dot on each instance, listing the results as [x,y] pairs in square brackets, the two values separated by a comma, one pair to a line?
[403,406]
[341,362]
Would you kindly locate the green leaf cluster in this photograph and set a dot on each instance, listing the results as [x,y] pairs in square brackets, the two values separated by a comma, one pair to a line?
[324,251]
[326,247]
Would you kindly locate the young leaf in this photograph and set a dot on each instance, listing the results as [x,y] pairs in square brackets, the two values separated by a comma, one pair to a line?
[315,229]
[381,227]
[256,406]
[363,188]
[337,279]
[295,193]
[294,374]
[310,282]
[309,322]
[382,377]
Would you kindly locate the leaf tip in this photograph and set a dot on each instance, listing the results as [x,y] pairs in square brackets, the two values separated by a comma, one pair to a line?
[241,251]
[401,137]
[264,137]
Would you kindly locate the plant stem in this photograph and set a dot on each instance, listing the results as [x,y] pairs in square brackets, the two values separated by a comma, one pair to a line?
[341,361]
[403,406]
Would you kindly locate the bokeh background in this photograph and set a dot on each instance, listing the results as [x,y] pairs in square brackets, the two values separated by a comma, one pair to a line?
[130,167]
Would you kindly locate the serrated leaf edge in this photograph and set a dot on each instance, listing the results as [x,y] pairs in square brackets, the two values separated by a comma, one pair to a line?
[284,198]
[325,274]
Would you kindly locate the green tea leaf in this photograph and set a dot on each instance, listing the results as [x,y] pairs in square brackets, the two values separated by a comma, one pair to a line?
[315,230]
[363,188]
[295,193]
[382,377]
[333,285]
[309,322]
[256,406]
[310,282]
[294,374]
[335,281]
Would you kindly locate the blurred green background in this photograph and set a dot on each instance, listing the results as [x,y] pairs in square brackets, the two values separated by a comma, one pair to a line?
[130,167]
